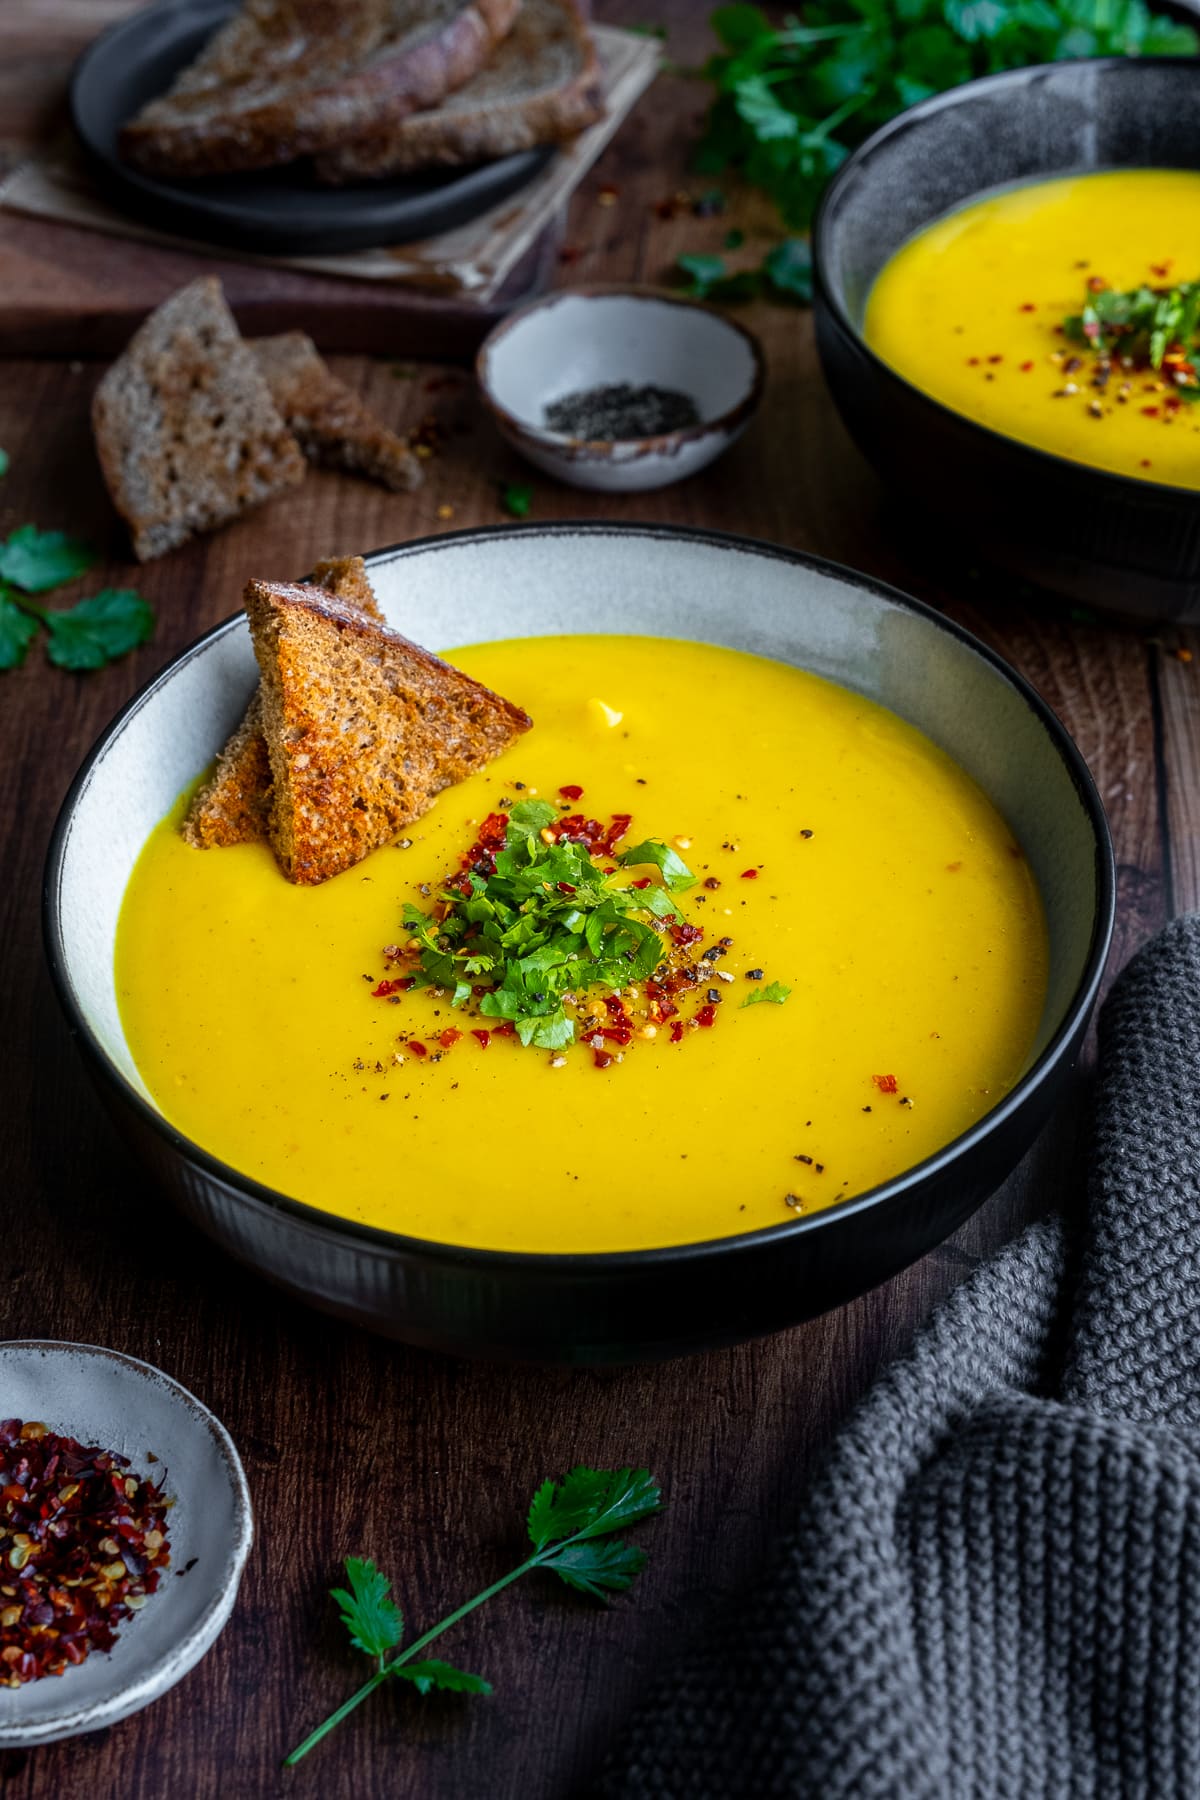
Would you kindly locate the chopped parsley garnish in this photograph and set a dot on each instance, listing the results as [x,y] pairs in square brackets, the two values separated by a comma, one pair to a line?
[552,933]
[537,923]
[774,991]
[1151,326]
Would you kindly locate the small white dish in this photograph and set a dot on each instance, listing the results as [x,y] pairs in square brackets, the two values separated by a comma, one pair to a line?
[102,1397]
[588,338]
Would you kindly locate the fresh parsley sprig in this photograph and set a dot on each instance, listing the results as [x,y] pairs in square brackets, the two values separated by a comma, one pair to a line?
[85,636]
[572,1526]
[793,100]
[547,924]
[1144,323]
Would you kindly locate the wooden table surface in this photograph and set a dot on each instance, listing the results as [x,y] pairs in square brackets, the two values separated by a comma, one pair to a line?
[353,1445]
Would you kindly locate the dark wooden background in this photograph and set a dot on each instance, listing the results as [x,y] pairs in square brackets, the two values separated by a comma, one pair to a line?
[352,1444]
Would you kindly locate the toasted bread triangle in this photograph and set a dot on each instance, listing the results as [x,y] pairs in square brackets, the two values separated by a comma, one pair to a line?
[364,728]
[234,805]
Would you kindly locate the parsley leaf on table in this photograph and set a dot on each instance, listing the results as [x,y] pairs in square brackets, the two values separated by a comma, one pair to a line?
[370,1615]
[37,561]
[516,498]
[17,631]
[4,460]
[99,629]
[785,273]
[792,100]
[571,1525]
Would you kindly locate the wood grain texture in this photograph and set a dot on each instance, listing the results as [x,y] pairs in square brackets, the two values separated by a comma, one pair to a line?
[353,1445]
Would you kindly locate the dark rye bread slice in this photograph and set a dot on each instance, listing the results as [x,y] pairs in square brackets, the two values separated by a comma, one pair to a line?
[186,430]
[364,728]
[543,85]
[291,78]
[330,422]
[234,805]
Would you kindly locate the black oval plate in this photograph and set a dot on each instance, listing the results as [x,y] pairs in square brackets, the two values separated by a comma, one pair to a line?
[280,211]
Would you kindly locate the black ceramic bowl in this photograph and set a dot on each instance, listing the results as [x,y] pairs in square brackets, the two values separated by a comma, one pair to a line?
[584,578]
[1106,539]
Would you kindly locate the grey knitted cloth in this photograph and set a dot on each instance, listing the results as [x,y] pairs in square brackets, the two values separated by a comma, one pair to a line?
[994,1586]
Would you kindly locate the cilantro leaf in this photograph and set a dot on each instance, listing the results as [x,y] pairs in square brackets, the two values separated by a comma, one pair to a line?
[528,816]
[442,1675]
[708,280]
[96,630]
[368,1612]
[4,462]
[591,1503]
[792,99]
[516,498]
[37,561]
[672,868]
[788,268]
[597,1569]
[774,992]
[17,631]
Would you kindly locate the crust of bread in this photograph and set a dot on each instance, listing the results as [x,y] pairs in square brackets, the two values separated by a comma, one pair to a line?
[186,431]
[543,85]
[330,422]
[234,805]
[363,727]
[242,107]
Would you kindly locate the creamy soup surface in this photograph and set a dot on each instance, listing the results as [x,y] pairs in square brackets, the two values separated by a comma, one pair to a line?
[970,309]
[854,863]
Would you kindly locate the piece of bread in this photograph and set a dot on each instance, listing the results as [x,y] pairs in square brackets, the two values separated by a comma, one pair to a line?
[328,419]
[291,78]
[542,85]
[186,430]
[364,728]
[234,805]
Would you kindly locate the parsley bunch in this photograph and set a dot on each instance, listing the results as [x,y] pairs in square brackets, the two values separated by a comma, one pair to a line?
[84,636]
[571,1524]
[1144,323]
[794,100]
[548,924]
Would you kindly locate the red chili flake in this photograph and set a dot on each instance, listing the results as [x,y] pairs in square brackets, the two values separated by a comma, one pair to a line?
[643,883]
[483,1038]
[1096,284]
[387,988]
[887,1084]
[749,874]
[1026,367]
[616,831]
[686,934]
[1150,412]
[82,1546]
[602,1059]
[707,1017]
[995,359]
[508,1029]
[570,253]
[972,362]
[571,793]
[1183,655]
[564,887]
[417,1047]
[1027,306]
[677,1031]
[1145,463]
[1162,270]
[449,1038]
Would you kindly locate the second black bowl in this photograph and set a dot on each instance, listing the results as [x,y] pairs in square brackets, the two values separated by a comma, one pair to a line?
[1109,540]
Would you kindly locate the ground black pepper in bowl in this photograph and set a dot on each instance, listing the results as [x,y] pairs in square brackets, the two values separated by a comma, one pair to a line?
[619,412]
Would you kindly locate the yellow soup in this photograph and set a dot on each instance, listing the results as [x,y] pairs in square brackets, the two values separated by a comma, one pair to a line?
[968,312]
[841,852]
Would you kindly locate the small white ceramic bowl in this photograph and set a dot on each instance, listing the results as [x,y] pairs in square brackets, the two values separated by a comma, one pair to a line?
[102,1397]
[588,338]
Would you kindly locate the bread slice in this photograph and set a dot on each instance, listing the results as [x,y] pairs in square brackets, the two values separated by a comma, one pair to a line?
[234,805]
[291,78]
[542,85]
[186,430]
[364,728]
[332,425]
